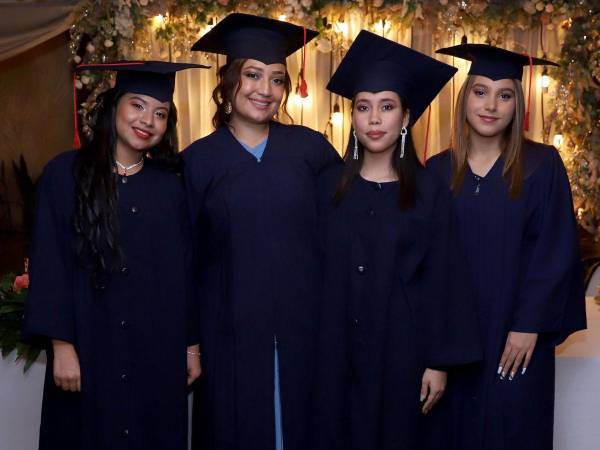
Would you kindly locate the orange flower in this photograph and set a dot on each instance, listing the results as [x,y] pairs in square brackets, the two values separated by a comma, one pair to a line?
[21,282]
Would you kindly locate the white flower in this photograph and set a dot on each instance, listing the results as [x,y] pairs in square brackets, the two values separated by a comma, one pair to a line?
[540,6]
[90,48]
[549,8]
[378,3]
[529,7]
[108,43]
[306,3]
[78,84]
[144,2]
[443,2]
[85,79]
[324,45]
[76,59]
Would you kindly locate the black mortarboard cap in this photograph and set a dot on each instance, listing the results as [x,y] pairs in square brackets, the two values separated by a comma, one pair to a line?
[153,78]
[493,62]
[245,36]
[375,64]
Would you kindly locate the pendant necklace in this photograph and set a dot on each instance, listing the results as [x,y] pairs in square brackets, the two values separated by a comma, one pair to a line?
[126,168]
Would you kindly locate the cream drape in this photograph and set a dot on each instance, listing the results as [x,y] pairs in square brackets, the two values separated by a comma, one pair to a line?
[26,24]
[193,93]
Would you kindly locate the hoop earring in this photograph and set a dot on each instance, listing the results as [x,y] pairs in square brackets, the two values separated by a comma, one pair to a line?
[228,108]
[355,154]
[403,133]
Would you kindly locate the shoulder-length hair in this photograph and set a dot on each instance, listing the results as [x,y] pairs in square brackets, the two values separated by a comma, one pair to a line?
[405,169]
[512,140]
[96,195]
[229,83]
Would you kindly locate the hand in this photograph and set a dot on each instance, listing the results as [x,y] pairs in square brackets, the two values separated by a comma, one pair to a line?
[194,368]
[518,350]
[433,386]
[67,373]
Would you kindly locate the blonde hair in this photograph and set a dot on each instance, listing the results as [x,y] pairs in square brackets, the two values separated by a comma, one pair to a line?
[512,142]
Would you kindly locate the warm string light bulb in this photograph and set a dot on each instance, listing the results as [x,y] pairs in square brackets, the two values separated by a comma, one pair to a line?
[340,27]
[158,21]
[558,140]
[282,17]
[337,118]
[382,26]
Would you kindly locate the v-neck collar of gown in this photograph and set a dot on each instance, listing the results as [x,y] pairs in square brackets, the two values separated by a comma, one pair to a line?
[490,172]
[238,145]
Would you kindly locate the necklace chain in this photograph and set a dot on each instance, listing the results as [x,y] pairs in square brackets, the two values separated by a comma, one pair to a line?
[126,168]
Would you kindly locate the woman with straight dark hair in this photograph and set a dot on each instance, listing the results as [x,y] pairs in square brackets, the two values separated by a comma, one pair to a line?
[389,324]
[110,290]
[252,196]
[517,230]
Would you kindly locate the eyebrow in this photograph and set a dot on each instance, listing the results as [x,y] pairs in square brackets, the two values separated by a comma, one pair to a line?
[258,69]
[135,97]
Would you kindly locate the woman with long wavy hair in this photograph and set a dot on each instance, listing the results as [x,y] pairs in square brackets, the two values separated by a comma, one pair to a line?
[251,188]
[110,289]
[390,315]
[517,230]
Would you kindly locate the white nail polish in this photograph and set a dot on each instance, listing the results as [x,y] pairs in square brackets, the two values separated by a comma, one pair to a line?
[499,370]
[524,370]
[422,397]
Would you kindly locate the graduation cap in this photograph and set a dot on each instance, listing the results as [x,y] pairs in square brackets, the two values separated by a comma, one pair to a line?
[153,78]
[497,63]
[375,64]
[245,36]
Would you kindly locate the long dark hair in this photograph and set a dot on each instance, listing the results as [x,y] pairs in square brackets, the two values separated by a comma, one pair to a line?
[405,169]
[229,84]
[96,196]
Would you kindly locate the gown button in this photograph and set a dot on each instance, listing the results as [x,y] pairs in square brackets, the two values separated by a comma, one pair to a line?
[355,322]
[125,433]
[124,180]
[134,210]
[371,212]
[125,270]
[360,269]
[124,324]
[124,378]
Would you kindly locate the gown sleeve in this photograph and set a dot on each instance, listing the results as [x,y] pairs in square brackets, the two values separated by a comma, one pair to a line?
[325,155]
[551,297]
[49,310]
[449,323]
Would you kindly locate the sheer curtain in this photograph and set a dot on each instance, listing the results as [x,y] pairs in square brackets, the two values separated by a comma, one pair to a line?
[431,132]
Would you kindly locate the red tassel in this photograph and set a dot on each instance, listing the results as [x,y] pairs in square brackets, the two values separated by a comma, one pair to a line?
[526,121]
[303,88]
[76,140]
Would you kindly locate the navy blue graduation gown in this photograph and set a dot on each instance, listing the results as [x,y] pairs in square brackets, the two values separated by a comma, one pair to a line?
[255,224]
[390,310]
[523,259]
[129,329]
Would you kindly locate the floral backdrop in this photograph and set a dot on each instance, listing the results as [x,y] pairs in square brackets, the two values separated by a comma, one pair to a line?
[108,30]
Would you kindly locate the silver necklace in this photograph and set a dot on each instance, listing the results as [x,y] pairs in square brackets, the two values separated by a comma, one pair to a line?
[126,168]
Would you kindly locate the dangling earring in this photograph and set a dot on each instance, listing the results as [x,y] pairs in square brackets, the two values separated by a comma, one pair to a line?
[355,154]
[403,133]
[228,108]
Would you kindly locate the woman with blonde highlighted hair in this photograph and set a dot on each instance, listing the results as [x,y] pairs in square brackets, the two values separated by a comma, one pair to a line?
[516,227]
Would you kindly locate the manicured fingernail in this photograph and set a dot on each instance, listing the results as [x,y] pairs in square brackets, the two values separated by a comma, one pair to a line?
[422,397]
[499,370]
[524,370]
[512,375]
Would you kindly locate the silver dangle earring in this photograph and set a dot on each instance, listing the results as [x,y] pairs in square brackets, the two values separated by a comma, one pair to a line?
[403,133]
[228,108]
[355,154]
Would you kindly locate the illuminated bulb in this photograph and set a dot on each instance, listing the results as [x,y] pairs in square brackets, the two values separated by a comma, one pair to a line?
[340,27]
[382,26]
[300,101]
[337,118]
[158,21]
[545,81]
[282,17]
[558,140]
